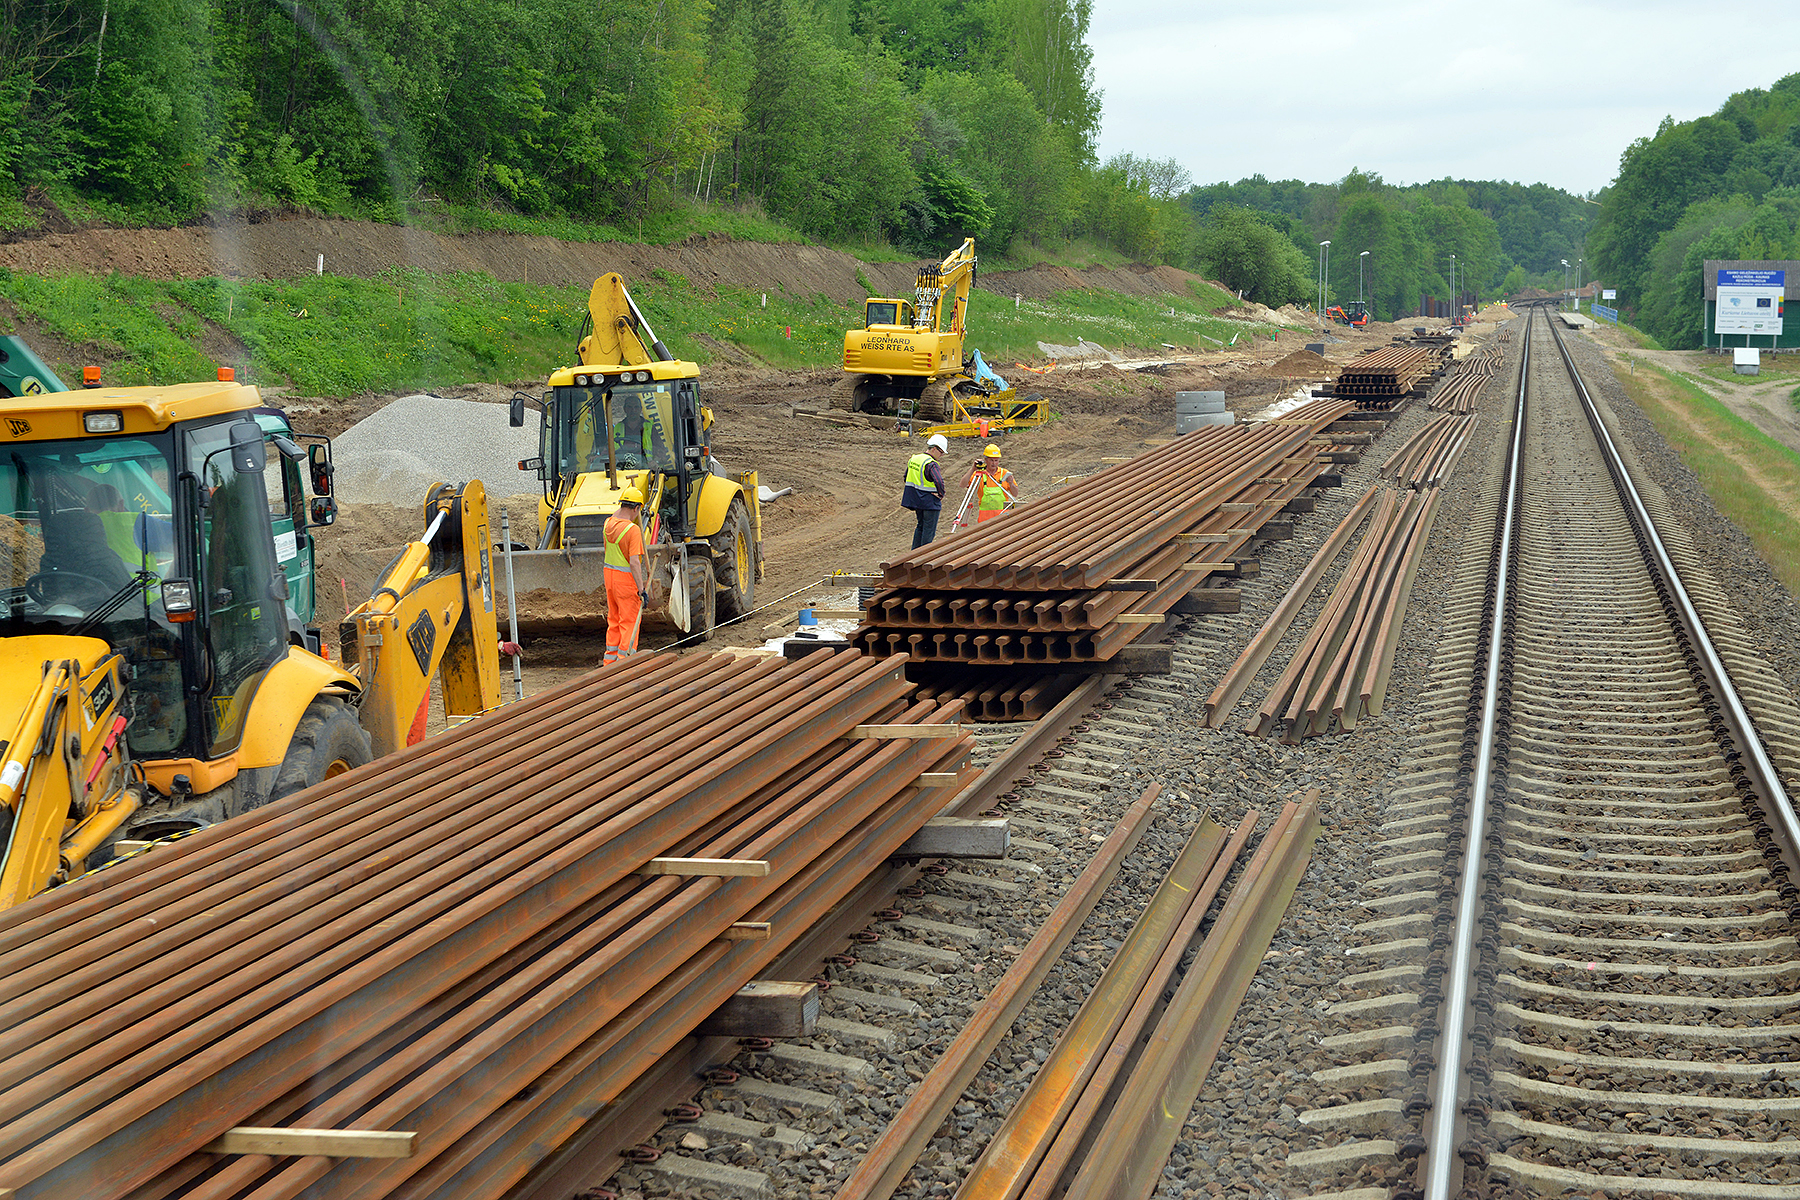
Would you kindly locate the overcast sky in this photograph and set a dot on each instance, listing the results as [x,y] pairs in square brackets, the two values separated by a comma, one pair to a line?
[1533,92]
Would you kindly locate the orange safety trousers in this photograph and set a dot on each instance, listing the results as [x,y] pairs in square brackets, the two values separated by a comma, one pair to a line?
[622,612]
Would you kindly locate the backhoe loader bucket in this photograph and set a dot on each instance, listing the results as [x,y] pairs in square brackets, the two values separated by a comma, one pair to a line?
[564,592]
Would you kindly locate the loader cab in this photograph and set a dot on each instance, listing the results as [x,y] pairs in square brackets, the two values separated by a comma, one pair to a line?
[637,420]
[158,537]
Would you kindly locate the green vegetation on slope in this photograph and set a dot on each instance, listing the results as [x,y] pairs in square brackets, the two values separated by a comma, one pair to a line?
[1753,480]
[404,329]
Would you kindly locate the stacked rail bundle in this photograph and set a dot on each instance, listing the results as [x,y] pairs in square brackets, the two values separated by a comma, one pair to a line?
[1019,694]
[1381,378]
[1461,391]
[1428,457]
[1341,668]
[479,941]
[1075,577]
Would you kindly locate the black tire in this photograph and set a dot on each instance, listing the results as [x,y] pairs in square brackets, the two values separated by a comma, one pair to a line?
[327,742]
[734,561]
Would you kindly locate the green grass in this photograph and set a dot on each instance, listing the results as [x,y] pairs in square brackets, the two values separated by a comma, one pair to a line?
[1774,366]
[1644,341]
[1753,479]
[1794,397]
[407,329]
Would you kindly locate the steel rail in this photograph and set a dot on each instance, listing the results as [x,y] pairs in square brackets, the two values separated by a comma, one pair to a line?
[1442,1168]
[884,1168]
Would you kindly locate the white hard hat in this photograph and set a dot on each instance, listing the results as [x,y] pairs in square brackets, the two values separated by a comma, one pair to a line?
[939,442]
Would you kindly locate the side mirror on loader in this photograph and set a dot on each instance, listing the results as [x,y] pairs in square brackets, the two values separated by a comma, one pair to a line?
[323,508]
[515,410]
[249,453]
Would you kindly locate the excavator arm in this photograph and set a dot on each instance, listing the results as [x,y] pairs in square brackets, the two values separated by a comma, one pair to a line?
[948,282]
[431,614]
[65,787]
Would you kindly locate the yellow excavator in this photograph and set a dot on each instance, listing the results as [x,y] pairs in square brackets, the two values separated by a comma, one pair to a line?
[156,598]
[907,360]
[629,414]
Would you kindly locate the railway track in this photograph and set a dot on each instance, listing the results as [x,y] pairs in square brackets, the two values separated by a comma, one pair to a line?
[1581,969]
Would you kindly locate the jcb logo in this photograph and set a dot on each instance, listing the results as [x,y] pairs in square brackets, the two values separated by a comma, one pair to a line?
[18,426]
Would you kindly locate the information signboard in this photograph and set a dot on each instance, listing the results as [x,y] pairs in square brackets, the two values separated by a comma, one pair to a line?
[1750,302]
[1609,294]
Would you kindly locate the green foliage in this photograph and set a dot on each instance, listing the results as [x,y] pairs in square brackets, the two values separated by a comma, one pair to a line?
[1724,186]
[1241,248]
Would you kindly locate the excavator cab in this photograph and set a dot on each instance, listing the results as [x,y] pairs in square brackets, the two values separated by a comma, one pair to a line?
[883,311]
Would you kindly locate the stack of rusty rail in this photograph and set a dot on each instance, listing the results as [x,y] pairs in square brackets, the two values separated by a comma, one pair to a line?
[998,694]
[1073,578]
[1461,390]
[1427,458]
[470,946]
[1381,379]
[1340,671]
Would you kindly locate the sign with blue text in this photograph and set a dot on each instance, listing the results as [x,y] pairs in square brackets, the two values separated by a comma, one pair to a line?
[1750,302]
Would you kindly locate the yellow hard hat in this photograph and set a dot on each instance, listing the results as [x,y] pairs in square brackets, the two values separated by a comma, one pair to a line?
[992,450]
[631,496]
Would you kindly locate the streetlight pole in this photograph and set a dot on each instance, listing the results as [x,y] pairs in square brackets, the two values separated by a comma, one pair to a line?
[1454,307]
[1565,263]
[1324,276]
[1360,264]
[1578,263]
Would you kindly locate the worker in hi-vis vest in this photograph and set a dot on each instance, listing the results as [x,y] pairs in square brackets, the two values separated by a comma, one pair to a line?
[924,490]
[627,578]
[999,486]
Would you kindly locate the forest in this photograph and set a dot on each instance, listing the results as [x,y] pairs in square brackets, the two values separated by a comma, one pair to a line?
[1726,186]
[902,125]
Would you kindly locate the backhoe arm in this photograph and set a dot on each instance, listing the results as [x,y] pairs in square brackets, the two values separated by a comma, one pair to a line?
[621,335]
[432,613]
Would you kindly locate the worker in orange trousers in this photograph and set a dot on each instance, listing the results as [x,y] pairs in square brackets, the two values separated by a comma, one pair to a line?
[627,578]
[999,486]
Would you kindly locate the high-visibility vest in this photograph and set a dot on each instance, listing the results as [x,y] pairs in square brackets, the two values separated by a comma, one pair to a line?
[919,491]
[615,545]
[915,470]
[995,488]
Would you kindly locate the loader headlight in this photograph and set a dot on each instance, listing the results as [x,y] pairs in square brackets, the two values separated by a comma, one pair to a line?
[581,381]
[103,422]
[178,599]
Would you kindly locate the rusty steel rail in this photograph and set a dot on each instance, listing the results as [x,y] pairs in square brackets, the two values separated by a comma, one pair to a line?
[1080,538]
[1263,643]
[888,1161]
[1430,455]
[1126,1153]
[1022,694]
[1341,669]
[455,940]
[1035,1143]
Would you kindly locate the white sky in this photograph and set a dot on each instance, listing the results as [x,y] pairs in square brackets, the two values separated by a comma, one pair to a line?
[1532,92]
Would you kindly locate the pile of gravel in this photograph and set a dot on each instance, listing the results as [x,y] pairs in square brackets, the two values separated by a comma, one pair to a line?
[394,455]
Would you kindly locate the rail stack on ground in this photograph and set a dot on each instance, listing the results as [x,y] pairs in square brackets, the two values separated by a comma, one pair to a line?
[1383,379]
[480,941]
[1066,582]
[1460,390]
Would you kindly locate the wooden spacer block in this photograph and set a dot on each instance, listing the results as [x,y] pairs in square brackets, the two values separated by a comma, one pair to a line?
[1341,456]
[123,847]
[1113,458]
[829,613]
[1300,504]
[1276,531]
[958,837]
[1202,539]
[1206,566]
[905,731]
[1129,585]
[1328,480]
[704,867]
[1238,506]
[747,931]
[327,1143]
[1139,619]
[939,778]
[1209,600]
[765,1008]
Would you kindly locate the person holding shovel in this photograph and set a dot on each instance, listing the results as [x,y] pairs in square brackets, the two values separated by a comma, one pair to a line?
[627,578]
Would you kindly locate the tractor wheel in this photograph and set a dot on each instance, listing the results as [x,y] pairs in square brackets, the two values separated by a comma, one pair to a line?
[734,562]
[327,742]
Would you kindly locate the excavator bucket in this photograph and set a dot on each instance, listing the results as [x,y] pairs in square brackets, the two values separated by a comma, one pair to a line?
[564,591]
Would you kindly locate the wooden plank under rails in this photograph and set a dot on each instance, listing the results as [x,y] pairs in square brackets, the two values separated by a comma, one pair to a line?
[1238,506]
[747,931]
[1202,539]
[703,867]
[766,1008]
[905,731]
[1139,619]
[958,837]
[301,1143]
[1206,566]
[939,778]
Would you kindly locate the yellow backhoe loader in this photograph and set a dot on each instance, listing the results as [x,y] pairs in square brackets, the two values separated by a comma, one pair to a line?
[156,596]
[630,415]
[907,360]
